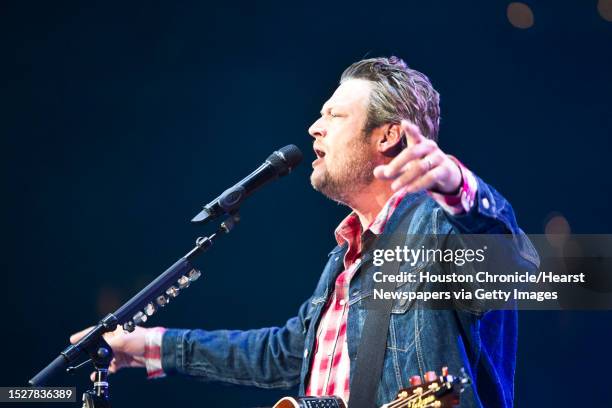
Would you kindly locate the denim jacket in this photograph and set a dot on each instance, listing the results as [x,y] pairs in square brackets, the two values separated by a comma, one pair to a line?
[419,340]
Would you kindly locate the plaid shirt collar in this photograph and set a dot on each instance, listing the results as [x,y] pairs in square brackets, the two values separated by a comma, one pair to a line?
[350,230]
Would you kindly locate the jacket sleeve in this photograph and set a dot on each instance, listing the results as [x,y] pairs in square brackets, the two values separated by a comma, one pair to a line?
[490,213]
[509,248]
[267,358]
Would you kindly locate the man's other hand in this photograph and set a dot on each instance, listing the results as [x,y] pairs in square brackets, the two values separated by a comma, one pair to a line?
[421,165]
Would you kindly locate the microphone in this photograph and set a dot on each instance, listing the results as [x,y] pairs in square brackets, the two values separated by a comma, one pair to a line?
[278,164]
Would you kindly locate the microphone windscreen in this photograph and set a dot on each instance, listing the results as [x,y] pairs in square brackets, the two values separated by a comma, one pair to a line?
[292,155]
[285,159]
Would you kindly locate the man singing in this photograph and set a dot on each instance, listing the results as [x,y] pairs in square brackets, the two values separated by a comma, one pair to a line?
[376,150]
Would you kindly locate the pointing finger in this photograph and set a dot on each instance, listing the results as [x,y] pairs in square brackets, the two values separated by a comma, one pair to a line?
[398,164]
[413,133]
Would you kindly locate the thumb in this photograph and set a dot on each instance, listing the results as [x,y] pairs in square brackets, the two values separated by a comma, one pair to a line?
[379,171]
[79,335]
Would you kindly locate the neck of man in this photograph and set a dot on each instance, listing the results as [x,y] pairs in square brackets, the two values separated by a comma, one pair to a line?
[369,201]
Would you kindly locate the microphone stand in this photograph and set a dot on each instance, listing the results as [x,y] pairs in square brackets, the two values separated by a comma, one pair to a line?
[144,304]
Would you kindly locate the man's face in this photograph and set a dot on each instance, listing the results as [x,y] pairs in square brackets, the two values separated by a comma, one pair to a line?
[344,162]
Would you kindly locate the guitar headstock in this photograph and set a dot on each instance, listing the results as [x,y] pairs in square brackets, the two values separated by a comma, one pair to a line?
[431,391]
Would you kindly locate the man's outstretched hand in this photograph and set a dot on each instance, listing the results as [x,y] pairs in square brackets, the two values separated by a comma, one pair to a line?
[128,348]
[421,165]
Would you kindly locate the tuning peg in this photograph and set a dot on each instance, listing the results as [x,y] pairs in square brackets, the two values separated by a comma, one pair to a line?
[463,377]
[183,282]
[430,376]
[194,274]
[415,380]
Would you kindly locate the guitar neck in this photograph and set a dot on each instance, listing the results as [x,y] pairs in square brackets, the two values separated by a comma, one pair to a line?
[428,392]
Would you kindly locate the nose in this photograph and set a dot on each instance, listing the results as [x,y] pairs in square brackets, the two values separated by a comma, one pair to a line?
[317,129]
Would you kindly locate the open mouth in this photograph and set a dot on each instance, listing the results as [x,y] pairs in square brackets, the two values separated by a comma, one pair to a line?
[320,153]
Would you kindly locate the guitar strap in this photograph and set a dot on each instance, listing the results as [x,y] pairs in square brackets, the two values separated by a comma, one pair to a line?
[373,343]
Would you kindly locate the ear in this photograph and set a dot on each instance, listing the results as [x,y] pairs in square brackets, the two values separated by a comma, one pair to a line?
[389,139]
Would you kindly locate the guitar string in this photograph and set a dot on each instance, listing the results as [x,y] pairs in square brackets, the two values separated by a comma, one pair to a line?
[399,402]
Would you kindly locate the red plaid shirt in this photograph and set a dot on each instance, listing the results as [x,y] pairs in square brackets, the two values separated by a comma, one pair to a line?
[330,369]
[329,372]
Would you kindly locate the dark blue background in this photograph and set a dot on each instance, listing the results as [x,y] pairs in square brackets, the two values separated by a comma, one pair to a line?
[118,120]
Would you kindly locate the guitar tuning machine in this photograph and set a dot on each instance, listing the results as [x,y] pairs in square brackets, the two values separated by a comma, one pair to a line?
[463,378]
[446,377]
[430,376]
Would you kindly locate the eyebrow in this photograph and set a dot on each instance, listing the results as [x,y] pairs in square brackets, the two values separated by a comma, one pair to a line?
[328,108]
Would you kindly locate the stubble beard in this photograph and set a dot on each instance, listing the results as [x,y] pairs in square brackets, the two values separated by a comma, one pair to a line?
[349,175]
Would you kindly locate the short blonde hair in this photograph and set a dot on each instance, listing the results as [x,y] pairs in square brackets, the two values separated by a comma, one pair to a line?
[398,93]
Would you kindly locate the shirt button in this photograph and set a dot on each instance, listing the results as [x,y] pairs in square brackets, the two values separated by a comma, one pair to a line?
[485,203]
[305,353]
